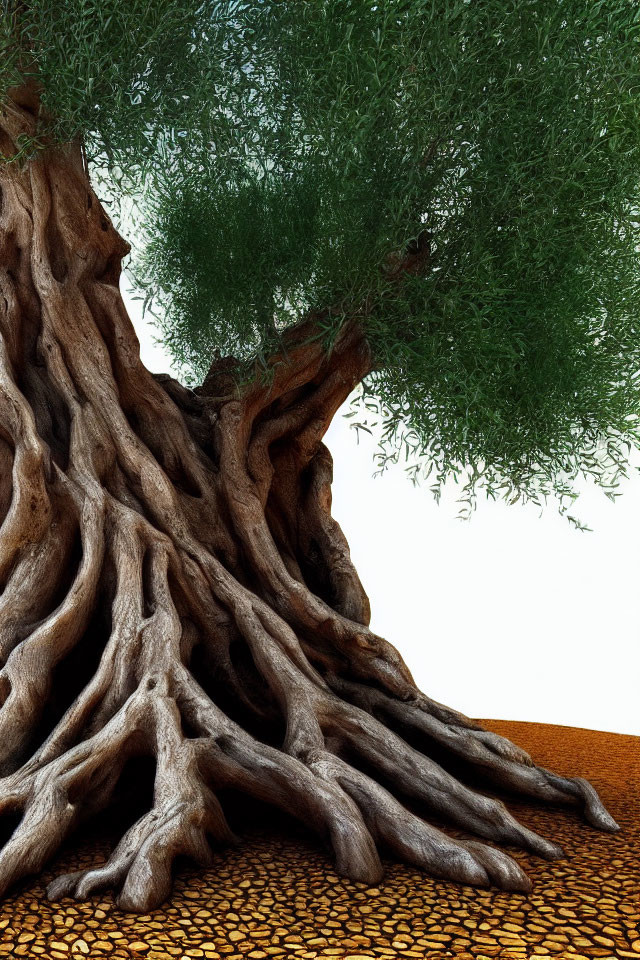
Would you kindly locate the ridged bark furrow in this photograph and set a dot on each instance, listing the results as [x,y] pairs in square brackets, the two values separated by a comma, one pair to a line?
[172,583]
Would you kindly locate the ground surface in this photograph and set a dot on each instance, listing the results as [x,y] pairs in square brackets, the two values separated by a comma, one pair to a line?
[277,894]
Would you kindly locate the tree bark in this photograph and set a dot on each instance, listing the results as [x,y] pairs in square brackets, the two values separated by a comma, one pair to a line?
[172,584]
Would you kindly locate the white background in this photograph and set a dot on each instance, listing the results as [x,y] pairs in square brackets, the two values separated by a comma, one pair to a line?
[511,615]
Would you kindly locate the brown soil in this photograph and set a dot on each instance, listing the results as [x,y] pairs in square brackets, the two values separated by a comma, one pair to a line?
[277,895]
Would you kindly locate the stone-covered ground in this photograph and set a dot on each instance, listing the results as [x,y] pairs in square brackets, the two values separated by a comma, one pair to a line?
[277,895]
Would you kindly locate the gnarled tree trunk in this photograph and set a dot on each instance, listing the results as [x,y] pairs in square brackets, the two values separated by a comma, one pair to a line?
[172,583]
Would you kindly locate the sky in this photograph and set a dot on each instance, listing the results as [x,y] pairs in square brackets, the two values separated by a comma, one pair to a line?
[511,615]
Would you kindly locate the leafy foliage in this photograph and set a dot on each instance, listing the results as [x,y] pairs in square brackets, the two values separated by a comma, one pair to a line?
[461,175]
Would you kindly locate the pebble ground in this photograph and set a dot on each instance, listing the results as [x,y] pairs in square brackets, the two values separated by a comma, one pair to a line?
[277,895]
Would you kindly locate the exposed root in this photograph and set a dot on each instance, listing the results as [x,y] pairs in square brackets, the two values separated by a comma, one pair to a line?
[172,584]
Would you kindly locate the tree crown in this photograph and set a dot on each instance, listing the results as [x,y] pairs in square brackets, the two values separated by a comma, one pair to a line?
[461,176]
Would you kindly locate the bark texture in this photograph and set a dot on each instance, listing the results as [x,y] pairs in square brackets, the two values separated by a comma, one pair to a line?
[172,584]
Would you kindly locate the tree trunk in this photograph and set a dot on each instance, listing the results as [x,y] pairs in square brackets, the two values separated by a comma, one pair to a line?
[172,584]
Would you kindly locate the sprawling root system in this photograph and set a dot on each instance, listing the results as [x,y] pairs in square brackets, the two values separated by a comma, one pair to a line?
[172,584]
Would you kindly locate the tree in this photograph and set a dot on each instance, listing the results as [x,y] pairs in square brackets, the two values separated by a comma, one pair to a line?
[436,200]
